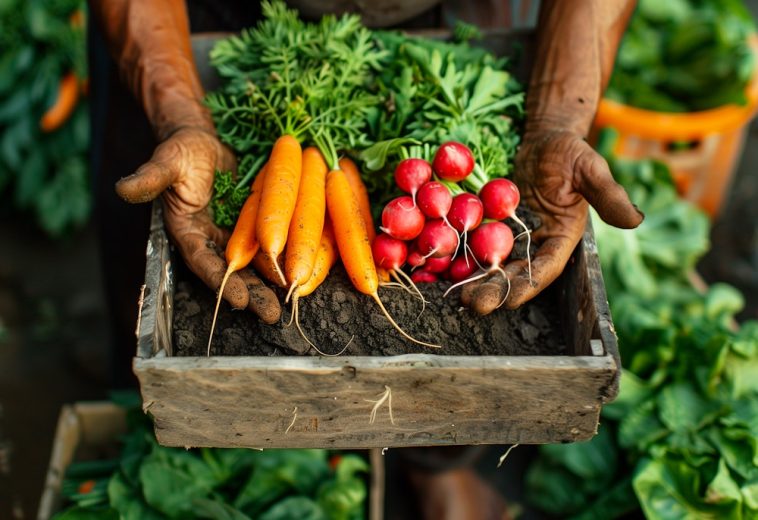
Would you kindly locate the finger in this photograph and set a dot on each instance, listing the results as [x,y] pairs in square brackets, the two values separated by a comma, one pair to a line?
[594,181]
[202,258]
[547,265]
[149,181]
[263,301]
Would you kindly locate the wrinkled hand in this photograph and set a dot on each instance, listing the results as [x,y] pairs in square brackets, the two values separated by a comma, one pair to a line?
[182,170]
[558,173]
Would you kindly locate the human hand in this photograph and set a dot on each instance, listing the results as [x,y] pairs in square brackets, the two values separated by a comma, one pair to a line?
[558,174]
[181,170]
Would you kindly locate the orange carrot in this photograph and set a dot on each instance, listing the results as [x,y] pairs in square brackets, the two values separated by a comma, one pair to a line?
[265,266]
[353,243]
[356,183]
[279,197]
[307,220]
[325,259]
[65,103]
[242,245]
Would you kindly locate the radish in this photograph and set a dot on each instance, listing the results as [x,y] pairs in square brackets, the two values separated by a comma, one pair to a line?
[415,259]
[401,219]
[491,243]
[500,198]
[411,174]
[437,239]
[453,161]
[437,265]
[461,268]
[434,199]
[465,214]
[424,277]
[390,254]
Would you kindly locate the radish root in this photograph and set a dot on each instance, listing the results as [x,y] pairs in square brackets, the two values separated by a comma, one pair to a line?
[505,455]
[528,246]
[294,418]
[386,396]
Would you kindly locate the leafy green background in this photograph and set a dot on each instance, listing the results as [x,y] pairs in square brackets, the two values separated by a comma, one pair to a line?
[149,481]
[45,175]
[681,439]
[684,55]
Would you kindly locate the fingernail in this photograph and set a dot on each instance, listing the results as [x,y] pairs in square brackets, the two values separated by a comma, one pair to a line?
[638,210]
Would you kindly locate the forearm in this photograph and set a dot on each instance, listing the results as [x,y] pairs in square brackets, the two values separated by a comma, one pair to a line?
[149,39]
[575,54]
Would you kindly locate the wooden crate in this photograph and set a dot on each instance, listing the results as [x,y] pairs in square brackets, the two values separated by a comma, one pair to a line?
[267,402]
[87,430]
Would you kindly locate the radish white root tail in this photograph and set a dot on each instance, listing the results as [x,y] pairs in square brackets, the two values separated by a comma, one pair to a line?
[386,396]
[528,245]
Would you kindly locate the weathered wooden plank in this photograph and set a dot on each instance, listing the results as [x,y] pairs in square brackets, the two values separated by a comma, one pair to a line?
[328,403]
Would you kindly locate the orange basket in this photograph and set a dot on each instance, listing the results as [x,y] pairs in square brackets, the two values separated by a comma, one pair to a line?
[715,138]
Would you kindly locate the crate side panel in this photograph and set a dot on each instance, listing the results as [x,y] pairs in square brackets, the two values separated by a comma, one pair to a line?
[349,406]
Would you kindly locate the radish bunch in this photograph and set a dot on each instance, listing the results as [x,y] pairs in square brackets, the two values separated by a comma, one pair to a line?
[459,238]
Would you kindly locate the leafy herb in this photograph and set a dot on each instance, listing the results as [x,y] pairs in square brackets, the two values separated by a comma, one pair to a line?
[150,481]
[684,55]
[286,76]
[370,94]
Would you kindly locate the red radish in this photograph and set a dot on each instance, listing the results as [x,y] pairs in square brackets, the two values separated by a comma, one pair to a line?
[453,161]
[500,198]
[415,259]
[437,265]
[434,199]
[465,214]
[461,268]
[491,243]
[401,219]
[390,254]
[411,174]
[423,277]
[437,239]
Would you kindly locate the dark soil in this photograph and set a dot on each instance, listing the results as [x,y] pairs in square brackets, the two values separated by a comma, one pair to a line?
[336,314]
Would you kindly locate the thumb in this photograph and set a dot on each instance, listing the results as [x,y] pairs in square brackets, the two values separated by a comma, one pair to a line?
[149,181]
[593,179]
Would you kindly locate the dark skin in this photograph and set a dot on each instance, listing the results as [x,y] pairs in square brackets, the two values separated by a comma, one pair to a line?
[557,172]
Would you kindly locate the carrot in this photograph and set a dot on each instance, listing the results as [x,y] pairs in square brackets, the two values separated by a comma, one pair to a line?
[68,95]
[307,220]
[242,245]
[356,183]
[353,243]
[326,257]
[279,197]
[268,268]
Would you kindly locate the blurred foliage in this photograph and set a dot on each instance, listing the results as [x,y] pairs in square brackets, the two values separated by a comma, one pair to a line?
[681,439]
[43,173]
[684,55]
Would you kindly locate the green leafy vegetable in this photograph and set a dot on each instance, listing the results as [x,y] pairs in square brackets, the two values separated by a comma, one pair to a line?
[682,56]
[685,422]
[150,481]
[44,174]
